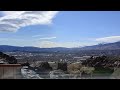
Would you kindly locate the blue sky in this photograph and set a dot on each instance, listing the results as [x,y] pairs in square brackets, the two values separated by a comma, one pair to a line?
[59,29]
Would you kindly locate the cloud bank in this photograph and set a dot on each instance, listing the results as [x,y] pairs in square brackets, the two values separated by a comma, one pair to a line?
[51,44]
[109,39]
[14,20]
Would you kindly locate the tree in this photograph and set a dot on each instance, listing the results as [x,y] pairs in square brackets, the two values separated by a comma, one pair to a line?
[12,60]
[62,66]
[87,70]
[74,68]
[78,68]
[9,59]
[44,66]
[1,53]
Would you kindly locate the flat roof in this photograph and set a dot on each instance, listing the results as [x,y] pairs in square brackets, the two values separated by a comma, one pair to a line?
[10,65]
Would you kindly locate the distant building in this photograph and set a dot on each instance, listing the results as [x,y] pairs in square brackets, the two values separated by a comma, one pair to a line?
[86,57]
[2,61]
[79,58]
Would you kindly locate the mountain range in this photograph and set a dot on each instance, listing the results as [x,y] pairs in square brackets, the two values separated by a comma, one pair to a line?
[107,46]
[8,48]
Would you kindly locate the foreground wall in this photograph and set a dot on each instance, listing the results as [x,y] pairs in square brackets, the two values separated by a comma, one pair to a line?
[10,71]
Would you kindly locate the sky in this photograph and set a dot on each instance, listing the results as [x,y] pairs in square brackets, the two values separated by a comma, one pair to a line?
[46,29]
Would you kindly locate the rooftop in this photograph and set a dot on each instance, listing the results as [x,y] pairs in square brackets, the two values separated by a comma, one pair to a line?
[10,65]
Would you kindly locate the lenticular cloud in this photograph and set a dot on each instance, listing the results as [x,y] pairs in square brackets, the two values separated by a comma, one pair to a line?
[14,20]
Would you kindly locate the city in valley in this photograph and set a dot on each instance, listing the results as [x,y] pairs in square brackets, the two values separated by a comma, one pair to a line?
[63,64]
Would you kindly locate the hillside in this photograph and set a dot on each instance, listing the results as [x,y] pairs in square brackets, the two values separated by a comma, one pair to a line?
[7,48]
[108,46]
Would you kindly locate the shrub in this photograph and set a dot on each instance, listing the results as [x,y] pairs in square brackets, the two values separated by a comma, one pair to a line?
[62,66]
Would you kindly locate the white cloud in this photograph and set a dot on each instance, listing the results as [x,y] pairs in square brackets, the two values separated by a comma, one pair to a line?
[37,35]
[109,39]
[47,38]
[50,44]
[14,20]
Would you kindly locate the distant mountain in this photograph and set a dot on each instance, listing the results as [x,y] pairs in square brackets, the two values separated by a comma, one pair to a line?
[7,48]
[106,46]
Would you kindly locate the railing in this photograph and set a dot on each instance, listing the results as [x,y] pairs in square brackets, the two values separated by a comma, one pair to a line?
[10,71]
